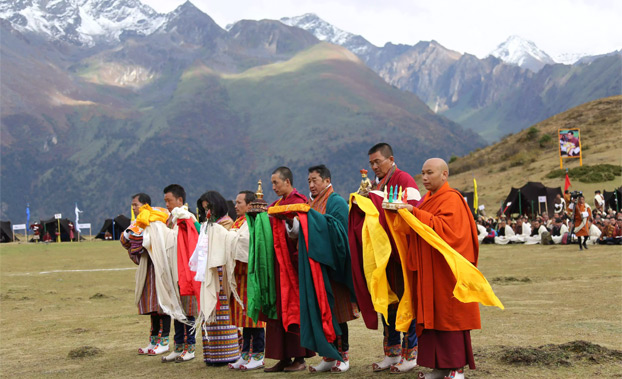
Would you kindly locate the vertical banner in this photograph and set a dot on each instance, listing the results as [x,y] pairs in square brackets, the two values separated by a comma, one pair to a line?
[27,219]
[475,198]
[569,145]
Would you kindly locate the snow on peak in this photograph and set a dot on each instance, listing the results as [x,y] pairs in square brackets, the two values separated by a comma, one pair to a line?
[523,53]
[324,31]
[81,22]
[569,58]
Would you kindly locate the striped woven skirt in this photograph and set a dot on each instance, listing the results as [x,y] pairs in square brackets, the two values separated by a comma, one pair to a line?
[221,340]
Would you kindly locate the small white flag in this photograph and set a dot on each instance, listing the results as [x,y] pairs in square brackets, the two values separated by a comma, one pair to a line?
[76,225]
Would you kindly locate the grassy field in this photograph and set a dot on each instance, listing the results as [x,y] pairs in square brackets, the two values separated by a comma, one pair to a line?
[553,295]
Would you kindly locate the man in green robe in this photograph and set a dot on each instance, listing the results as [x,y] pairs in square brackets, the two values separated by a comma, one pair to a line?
[327,300]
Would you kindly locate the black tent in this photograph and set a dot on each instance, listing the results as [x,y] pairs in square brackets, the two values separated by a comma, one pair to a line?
[613,199]
[120,223]
[525,200]
[50,226]
[469,196]
[6,231]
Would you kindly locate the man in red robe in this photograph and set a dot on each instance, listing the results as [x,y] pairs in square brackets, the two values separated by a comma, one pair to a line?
[399,354]
[443,322]
[283,334]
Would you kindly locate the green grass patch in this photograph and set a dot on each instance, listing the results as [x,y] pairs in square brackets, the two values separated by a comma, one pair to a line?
[589,174]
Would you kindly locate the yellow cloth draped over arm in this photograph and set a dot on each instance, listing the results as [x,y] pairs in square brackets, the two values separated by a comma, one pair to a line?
[376,253]
[147,215]
[471,285]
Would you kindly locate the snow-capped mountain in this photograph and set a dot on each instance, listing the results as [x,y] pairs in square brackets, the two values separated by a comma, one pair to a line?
[324,31]
[569,58]
[81,22]
[523,53]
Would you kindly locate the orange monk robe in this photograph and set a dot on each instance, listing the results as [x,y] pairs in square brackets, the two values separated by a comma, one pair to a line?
[436,307]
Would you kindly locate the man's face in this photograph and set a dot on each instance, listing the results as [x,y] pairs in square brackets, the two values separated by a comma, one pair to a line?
[279,186]
[379,164]
[433,176]
[317,184]
[136,205]
[240,205]
[172,202]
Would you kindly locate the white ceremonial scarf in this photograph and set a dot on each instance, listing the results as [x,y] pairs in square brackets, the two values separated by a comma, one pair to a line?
[161,243]
[213,250]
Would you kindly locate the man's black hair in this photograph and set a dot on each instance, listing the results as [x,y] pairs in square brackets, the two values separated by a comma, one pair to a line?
[285,173]
[384,149]
[216,203]
[248,196]
[177,191]
[143,198]
[322,170]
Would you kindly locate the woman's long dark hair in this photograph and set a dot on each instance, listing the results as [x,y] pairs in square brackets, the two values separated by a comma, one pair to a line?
[215,203]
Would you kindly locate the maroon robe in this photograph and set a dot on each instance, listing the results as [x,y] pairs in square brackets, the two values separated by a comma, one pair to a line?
[284,344]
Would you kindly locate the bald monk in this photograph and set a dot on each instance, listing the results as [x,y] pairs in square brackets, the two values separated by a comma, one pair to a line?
[443,323]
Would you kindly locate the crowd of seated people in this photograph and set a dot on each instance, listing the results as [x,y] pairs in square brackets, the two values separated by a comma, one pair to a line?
[603,226]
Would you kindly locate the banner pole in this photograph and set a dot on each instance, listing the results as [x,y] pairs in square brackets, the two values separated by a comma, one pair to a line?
[58,230]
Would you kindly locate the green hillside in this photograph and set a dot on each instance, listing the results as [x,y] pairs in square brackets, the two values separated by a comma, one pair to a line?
[216,131]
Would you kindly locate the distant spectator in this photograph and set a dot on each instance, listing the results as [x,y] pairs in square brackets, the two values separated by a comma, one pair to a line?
[560,205]
[567,201]
[618,232]
[537,231]
[599,201]
[608,230]
[504,233]
[558,230]
[481,230]
[582,220]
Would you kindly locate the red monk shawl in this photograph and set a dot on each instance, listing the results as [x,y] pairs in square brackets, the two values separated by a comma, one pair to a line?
[286,265]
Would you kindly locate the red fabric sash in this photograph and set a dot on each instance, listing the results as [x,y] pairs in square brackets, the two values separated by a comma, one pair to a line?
[288,274]
[290,300]
[186,243]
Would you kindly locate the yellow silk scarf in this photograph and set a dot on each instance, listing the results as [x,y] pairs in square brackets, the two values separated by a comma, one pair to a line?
[471,285]
[147,215]
[376,253]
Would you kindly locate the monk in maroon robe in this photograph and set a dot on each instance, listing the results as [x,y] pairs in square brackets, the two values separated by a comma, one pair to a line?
[400,354]
[283,334]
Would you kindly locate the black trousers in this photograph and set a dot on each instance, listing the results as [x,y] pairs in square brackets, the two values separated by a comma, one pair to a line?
[160,325]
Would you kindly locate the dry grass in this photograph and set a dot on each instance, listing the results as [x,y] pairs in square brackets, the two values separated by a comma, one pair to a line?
[553,295]
[520,158]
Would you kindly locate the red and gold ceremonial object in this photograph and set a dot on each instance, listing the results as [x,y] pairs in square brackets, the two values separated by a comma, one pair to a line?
[289,209]
[258,205]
